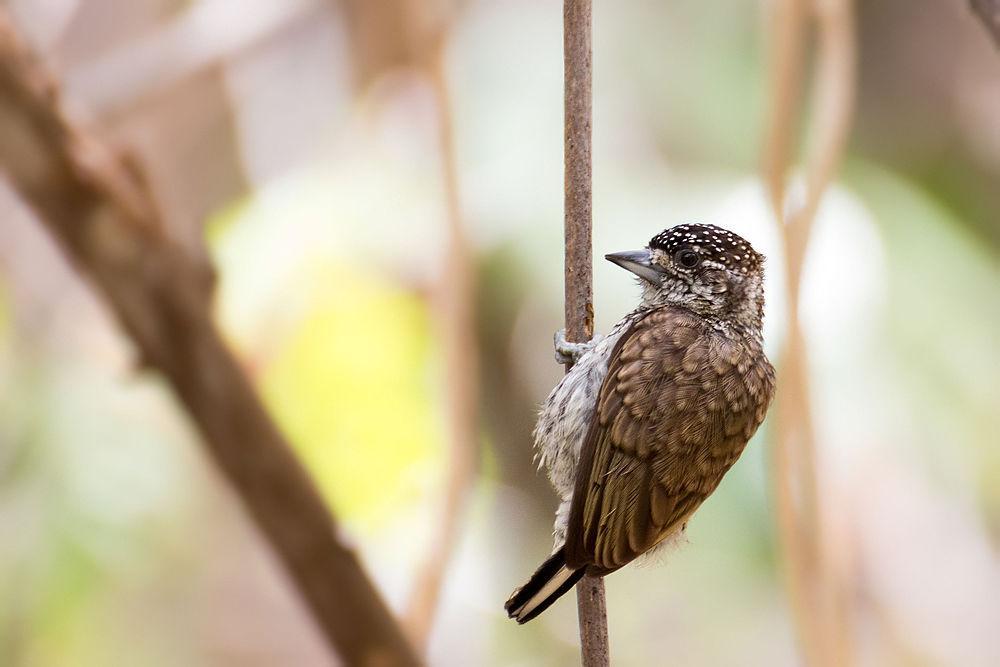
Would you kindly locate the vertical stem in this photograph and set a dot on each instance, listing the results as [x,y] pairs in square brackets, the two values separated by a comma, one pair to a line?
[595,650]
[817,597]
[578,220]
[456,297]
[788,21]
[786,60]
[577,73]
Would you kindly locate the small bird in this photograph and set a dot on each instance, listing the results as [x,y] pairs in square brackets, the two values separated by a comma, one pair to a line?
[649,418]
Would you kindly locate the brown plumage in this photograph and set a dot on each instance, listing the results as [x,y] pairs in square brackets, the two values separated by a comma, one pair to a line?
[678,404]
[649,419]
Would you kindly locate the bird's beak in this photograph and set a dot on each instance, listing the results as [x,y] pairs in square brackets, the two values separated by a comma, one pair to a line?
[638,262]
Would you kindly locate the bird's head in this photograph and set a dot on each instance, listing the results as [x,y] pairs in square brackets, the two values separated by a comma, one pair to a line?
[703,268]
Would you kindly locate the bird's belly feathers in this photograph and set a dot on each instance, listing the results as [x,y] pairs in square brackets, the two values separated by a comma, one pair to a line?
[567,412]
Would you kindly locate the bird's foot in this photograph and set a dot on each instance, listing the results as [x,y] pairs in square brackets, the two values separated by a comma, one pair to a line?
[570,353]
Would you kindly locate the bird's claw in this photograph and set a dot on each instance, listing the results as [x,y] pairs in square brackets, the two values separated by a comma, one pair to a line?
[570,353]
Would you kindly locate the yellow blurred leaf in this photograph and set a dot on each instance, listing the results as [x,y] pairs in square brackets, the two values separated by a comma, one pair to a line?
[351,386]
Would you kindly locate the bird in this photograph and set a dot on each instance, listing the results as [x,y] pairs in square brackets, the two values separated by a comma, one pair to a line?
[649,418]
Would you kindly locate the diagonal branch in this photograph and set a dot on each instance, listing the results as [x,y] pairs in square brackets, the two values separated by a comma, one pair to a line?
[988,12]
[109,229]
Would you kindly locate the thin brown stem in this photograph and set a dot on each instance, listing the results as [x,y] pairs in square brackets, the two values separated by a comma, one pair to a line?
[595,649]
[456,290]
[579,283]
[110,230]
[786,48]
[579,280]
[786,60]
[816,598]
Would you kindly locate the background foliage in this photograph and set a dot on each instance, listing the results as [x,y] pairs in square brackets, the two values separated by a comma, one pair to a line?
[298,140]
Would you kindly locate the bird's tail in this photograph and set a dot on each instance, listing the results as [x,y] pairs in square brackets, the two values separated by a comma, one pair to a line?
[547,584]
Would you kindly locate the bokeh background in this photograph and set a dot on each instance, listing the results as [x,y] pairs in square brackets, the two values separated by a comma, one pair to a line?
[297,146]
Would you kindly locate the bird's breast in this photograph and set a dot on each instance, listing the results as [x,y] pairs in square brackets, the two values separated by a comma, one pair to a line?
[566,414]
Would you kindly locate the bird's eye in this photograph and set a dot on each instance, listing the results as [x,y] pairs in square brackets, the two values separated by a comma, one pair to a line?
[688,259]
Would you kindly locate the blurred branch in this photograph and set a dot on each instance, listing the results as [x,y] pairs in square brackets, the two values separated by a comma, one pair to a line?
[815,595]
[456,295]
[391,34]
[109,229]
[988,12]
[579,280]
[785,57]
[786,60]
[200,37]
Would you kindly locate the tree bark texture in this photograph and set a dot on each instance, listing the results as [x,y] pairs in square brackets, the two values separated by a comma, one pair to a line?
[579,281]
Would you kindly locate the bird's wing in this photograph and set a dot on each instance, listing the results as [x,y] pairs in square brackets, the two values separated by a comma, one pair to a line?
[670,420]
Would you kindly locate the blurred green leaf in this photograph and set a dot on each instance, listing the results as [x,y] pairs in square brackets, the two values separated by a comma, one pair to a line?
[943,319]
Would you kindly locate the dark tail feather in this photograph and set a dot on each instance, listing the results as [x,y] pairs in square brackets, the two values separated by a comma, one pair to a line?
[549,582]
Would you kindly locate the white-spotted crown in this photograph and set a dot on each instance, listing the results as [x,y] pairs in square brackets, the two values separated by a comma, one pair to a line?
[711,243]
